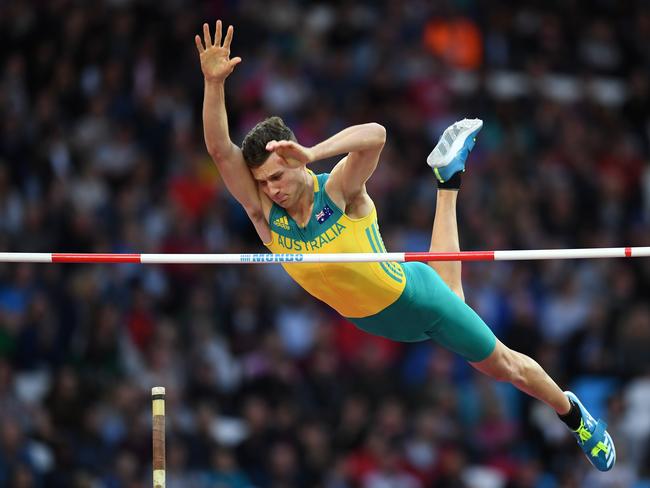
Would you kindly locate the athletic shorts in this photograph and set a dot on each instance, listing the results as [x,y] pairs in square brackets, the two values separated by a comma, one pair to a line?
[428,309]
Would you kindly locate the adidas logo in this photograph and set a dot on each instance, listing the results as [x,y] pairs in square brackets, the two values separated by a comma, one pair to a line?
[282,222]
[448,138]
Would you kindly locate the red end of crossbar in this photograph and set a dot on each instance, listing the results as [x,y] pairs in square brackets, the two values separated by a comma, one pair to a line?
[628,252]
[95,258]
[450,256]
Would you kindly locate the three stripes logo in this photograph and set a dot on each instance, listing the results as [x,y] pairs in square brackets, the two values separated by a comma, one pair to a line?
[393,270]
[448,139]
[282,222]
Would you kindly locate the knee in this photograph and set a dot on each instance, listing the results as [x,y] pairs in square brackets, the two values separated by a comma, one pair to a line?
[458,290]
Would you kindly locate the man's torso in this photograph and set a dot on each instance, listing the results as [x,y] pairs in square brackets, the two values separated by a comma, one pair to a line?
[353,289]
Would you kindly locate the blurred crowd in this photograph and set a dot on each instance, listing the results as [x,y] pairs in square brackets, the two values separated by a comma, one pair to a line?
[101,150]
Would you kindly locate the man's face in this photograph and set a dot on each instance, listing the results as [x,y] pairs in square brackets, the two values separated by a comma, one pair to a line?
[279,181]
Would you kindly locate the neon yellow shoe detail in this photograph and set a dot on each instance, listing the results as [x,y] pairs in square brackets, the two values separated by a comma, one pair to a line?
[593,438]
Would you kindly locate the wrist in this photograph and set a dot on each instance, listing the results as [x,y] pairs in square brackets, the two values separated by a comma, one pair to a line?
[213,82]
[314,153]
[311,155]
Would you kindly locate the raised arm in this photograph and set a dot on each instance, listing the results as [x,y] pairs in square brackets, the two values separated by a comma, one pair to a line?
[363,145]
[217,66]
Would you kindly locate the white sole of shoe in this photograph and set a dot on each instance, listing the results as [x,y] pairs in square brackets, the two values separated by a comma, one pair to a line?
[468,126]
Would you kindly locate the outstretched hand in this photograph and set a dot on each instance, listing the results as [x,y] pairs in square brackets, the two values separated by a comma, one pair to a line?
[215,57]
[293,153]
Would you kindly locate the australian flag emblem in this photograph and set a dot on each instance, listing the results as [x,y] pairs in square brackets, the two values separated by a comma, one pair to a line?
[324,214]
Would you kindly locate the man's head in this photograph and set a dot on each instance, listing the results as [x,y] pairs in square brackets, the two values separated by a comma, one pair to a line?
[281,182]
[254,145]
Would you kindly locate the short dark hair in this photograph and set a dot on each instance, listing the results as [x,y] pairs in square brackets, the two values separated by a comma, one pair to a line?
[254,145]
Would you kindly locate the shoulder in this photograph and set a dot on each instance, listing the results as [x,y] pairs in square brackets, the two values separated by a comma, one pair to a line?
[321,180]
[355,205]
[333,185]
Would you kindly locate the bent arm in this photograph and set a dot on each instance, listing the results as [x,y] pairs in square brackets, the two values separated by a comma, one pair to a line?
[364,144]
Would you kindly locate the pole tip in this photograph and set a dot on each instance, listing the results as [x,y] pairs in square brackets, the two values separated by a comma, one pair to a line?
[158,390]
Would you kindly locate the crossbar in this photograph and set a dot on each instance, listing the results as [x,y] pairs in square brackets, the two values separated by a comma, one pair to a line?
[289,258]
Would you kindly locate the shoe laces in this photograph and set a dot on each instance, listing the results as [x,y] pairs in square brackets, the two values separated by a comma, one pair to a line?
[583,433]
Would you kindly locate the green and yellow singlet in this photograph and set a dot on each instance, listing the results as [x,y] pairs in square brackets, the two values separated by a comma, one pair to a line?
[355,290]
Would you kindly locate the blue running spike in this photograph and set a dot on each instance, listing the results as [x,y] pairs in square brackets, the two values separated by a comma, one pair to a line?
[455,144]
[593,438]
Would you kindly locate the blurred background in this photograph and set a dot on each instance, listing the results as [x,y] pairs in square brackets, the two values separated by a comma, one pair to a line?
[101,150]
